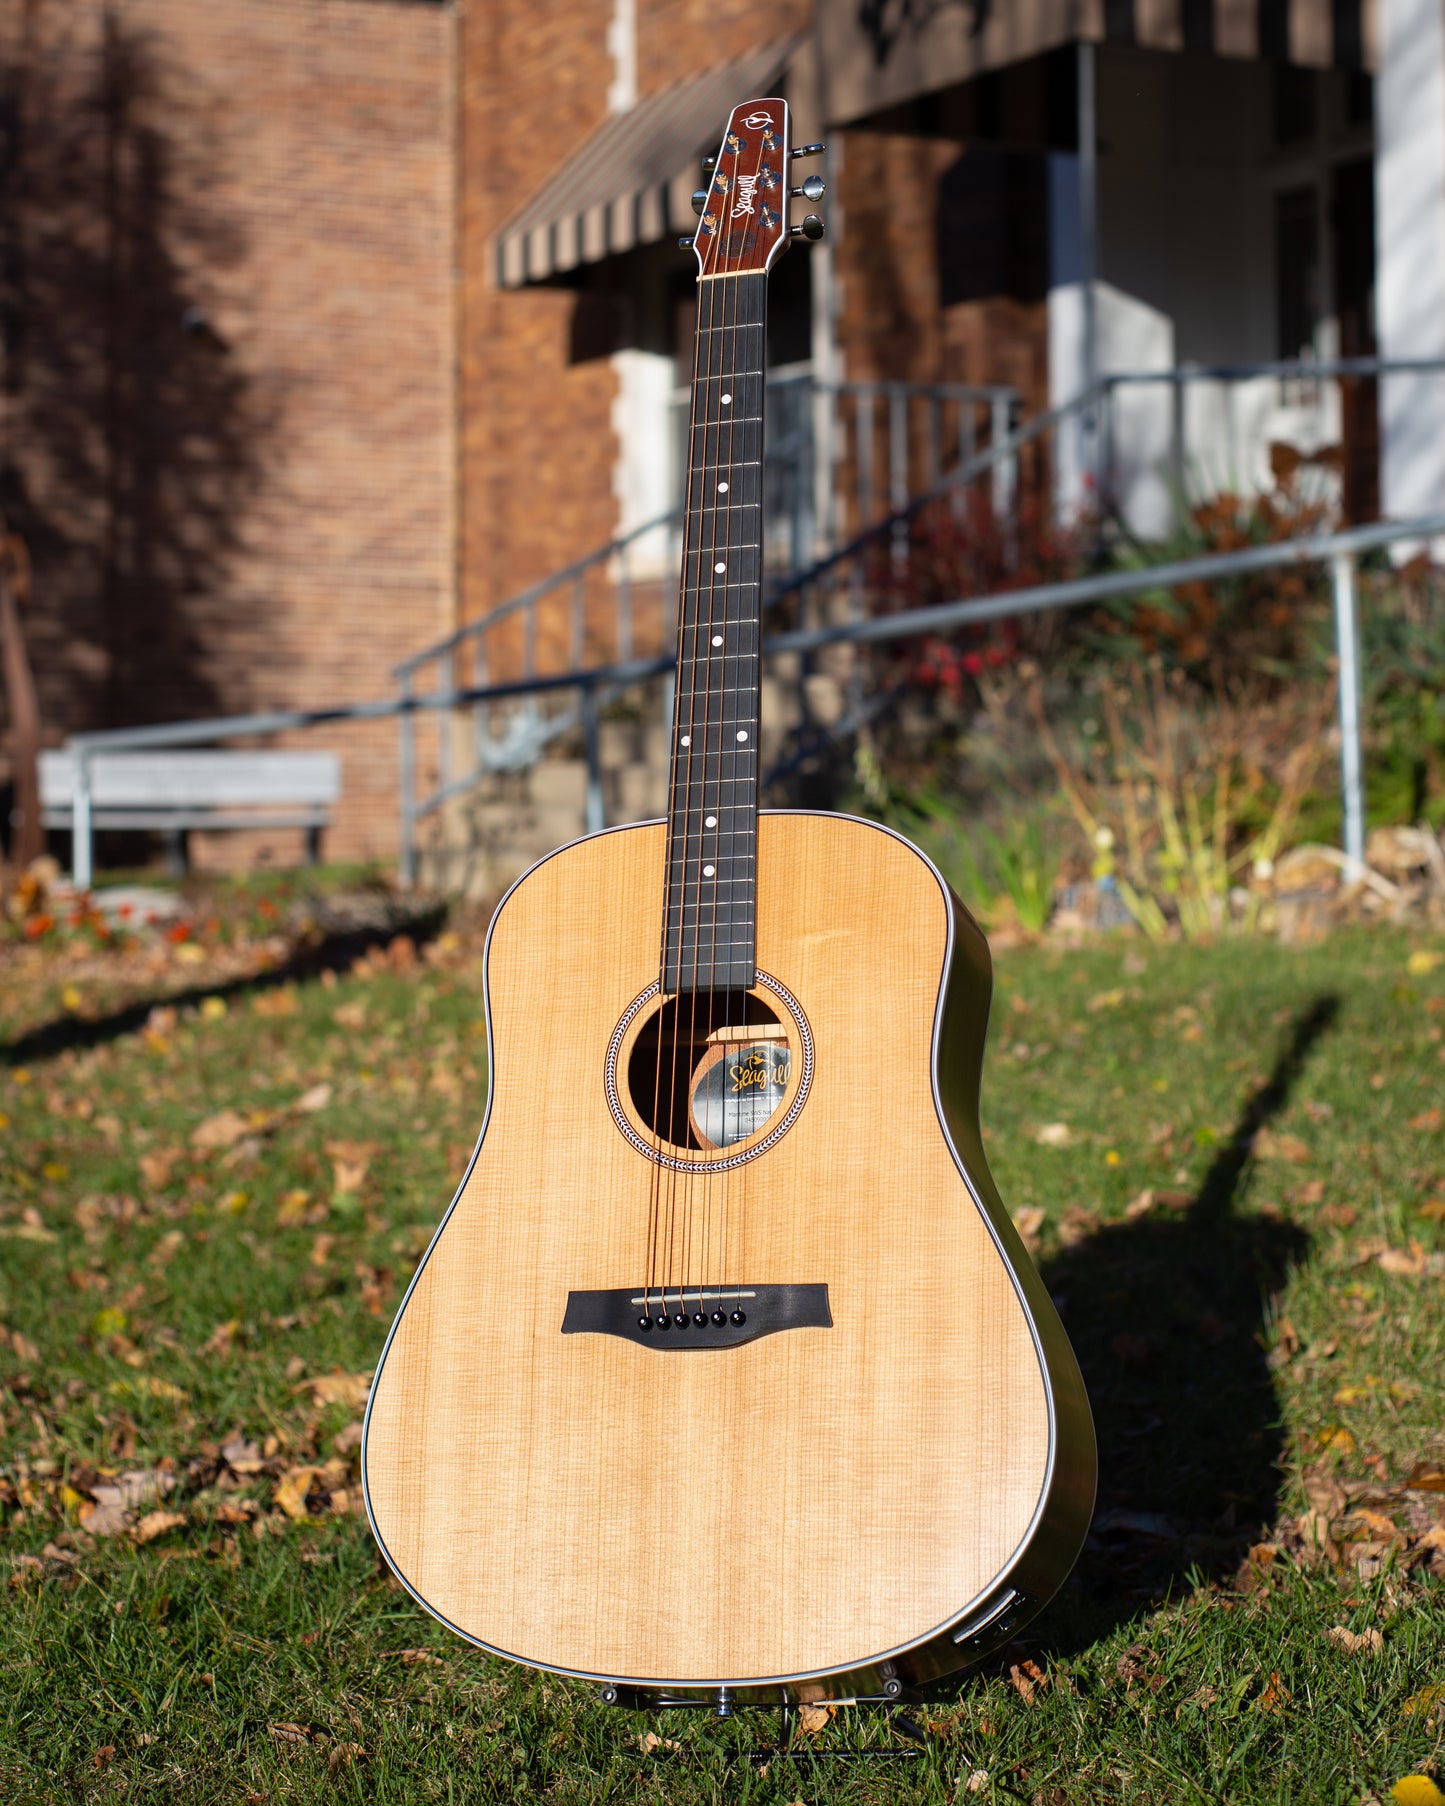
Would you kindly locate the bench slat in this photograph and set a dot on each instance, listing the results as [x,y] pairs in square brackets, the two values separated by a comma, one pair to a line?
[178,780]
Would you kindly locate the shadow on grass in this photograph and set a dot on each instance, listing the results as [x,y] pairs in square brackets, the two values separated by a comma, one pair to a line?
[1167,1316]
[335,951]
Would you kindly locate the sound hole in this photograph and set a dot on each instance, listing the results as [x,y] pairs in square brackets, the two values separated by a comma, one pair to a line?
[709,1068]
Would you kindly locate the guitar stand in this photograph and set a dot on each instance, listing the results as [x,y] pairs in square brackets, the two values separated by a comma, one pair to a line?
[787,1748]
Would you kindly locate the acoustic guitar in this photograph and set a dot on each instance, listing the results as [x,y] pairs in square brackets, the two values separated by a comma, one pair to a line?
[726,1373]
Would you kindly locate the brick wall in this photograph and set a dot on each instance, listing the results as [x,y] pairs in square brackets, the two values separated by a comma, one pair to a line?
[538,444]
[228,379]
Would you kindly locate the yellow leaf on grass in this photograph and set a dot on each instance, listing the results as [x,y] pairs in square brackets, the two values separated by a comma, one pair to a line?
[70,998]
[1107,1000]
[1421,964]
[109,1322]
[1336,1436]
[212,1009]
[293,1488]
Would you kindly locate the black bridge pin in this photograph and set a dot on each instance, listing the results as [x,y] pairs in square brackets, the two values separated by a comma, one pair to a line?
[644,1321]
[681,1319]
[719,1318]
[699,1318]
[740,1317]
[663,1320]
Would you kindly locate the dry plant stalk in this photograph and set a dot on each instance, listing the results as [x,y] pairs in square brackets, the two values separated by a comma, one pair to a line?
[1167,826]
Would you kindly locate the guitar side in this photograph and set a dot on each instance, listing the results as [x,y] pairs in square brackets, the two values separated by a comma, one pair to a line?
[819,1511]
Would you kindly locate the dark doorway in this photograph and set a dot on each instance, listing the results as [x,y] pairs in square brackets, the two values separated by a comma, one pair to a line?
[1352,210]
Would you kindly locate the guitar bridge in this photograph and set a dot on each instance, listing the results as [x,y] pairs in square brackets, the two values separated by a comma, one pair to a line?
[696,1316]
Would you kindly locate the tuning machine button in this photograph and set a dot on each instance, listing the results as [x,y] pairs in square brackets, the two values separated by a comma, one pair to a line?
[811,228]
[709,164]
[809,150]
[684,244]
[699,199]
[811,188]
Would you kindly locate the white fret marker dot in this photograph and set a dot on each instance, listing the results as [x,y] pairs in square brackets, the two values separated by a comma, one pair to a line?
[742,733]
[708,870]
[722,488]
[687,739]
[710,822]
[717,639]
[719,568]
[726,399]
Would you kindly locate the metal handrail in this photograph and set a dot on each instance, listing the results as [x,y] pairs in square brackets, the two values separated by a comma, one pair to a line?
[1340,550]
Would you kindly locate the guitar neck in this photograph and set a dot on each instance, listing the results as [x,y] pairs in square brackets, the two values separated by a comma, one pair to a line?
[709,925]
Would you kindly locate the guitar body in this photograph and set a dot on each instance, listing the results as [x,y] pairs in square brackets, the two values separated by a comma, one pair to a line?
[890,1464]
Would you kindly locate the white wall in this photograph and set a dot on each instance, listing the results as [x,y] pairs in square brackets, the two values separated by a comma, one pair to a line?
[1410,250]
[1187,183]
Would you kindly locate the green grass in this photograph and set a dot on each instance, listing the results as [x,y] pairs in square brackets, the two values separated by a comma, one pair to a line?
[1262,1338]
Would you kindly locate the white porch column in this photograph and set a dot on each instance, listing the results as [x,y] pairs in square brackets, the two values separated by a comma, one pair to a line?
[1410,249]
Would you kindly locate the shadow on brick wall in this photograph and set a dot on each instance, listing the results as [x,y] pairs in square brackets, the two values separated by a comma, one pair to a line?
[134,440]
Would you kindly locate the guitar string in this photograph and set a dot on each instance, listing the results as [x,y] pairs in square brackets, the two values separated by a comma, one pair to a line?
[679,1063]
[706,555]
[722,542]
[677,802]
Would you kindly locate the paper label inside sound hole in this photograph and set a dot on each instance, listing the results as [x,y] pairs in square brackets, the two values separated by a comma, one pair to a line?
[736,1088]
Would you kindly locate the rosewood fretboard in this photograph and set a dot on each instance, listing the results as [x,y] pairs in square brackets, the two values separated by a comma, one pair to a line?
[709,925]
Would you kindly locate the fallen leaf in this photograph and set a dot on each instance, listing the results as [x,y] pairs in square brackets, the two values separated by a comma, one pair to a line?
[1400,1264]
[1312,1192]
[1421,964]
[1368,1642]
[977,1781]
[338,1388]
[223,1130]
[350,1163]
[25,1349]
[1054,1135]
[650,1741]
[292,1208]
[812,1719]
[156,1523]
[1107,1000]
[1029,1222]
[1428,1121]
[1433,1210]
[212,1009]
[316,1098]
[292,1489]
[1335,1436]
[344,1441]
[1028,1680]
[286,1732]
[1139,1206]
[156,1167]
[166,1248]
[1268,1144]
[350,1015]
[342,1755]
[1275,1696]
[280,1002]
[102,1757]
[1426,1476]
[417,1658]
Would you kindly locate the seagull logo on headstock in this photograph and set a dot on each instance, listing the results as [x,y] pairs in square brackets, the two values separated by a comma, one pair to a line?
[744,202]
[754,120]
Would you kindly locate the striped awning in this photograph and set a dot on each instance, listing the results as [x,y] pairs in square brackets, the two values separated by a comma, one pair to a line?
[880,55]
[632,182]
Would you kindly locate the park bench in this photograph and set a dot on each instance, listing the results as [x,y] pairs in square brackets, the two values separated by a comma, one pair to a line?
[171,792]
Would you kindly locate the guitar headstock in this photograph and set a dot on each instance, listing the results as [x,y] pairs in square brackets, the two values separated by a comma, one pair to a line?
[744,208]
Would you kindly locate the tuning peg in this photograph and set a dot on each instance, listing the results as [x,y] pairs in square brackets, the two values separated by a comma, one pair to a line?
[709,164]
[812,188]
[684,244]
[699,199]
[810,150]
[811,228]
